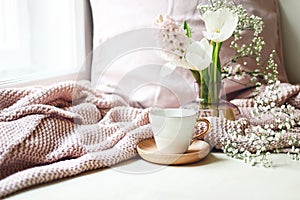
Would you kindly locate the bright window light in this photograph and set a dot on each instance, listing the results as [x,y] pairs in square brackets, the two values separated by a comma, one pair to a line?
[40,38]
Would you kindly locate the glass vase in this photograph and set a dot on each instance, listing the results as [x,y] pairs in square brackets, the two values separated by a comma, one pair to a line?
[215,112]
[216,108]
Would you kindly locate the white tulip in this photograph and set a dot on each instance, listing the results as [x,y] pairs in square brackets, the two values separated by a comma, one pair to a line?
[219,24]
[199,54]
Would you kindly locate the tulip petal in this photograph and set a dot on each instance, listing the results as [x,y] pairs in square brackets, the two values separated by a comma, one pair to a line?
[212,20]
[197,63]
[199,54]
[169,67]
[219,24]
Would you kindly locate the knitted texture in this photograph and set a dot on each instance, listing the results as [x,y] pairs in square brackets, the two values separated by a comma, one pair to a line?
[63,130]
[49,133]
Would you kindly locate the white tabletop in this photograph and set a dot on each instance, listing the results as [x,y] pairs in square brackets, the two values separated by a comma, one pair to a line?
[215,177]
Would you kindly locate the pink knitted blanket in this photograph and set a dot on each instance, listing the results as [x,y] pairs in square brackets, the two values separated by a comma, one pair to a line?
[65,129]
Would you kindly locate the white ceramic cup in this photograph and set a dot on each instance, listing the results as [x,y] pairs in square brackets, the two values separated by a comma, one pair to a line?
[173,129]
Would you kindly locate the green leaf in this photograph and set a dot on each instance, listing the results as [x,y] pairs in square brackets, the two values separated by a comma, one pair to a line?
[188,29]
[196,75]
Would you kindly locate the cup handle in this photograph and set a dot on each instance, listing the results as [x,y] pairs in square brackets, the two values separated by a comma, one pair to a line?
[201,135]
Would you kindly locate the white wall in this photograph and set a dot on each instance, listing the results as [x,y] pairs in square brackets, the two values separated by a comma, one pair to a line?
[290,16]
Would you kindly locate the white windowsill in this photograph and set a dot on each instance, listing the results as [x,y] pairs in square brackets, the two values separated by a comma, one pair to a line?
[44,79]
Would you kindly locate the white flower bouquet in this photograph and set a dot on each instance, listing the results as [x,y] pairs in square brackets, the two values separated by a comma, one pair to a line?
[270,123]
[223,20]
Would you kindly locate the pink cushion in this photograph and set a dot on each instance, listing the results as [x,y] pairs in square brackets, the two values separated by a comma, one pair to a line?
[114,17]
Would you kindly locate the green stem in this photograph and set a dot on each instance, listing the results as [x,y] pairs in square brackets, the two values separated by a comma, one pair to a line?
[204,86]
[211,72]
[215,71]
[201,78]
[218,72]
[201,88]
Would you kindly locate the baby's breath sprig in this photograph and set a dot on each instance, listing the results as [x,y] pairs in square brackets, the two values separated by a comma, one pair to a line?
[233,68]
[294,154]
[249,147]
[254,144]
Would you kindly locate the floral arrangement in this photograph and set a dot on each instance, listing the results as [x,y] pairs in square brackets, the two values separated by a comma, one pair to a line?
[224,20]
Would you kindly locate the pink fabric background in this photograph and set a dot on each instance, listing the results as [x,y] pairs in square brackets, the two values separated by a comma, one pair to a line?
[114,17]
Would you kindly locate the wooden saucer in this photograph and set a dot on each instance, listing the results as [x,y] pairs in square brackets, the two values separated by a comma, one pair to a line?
[197,151]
